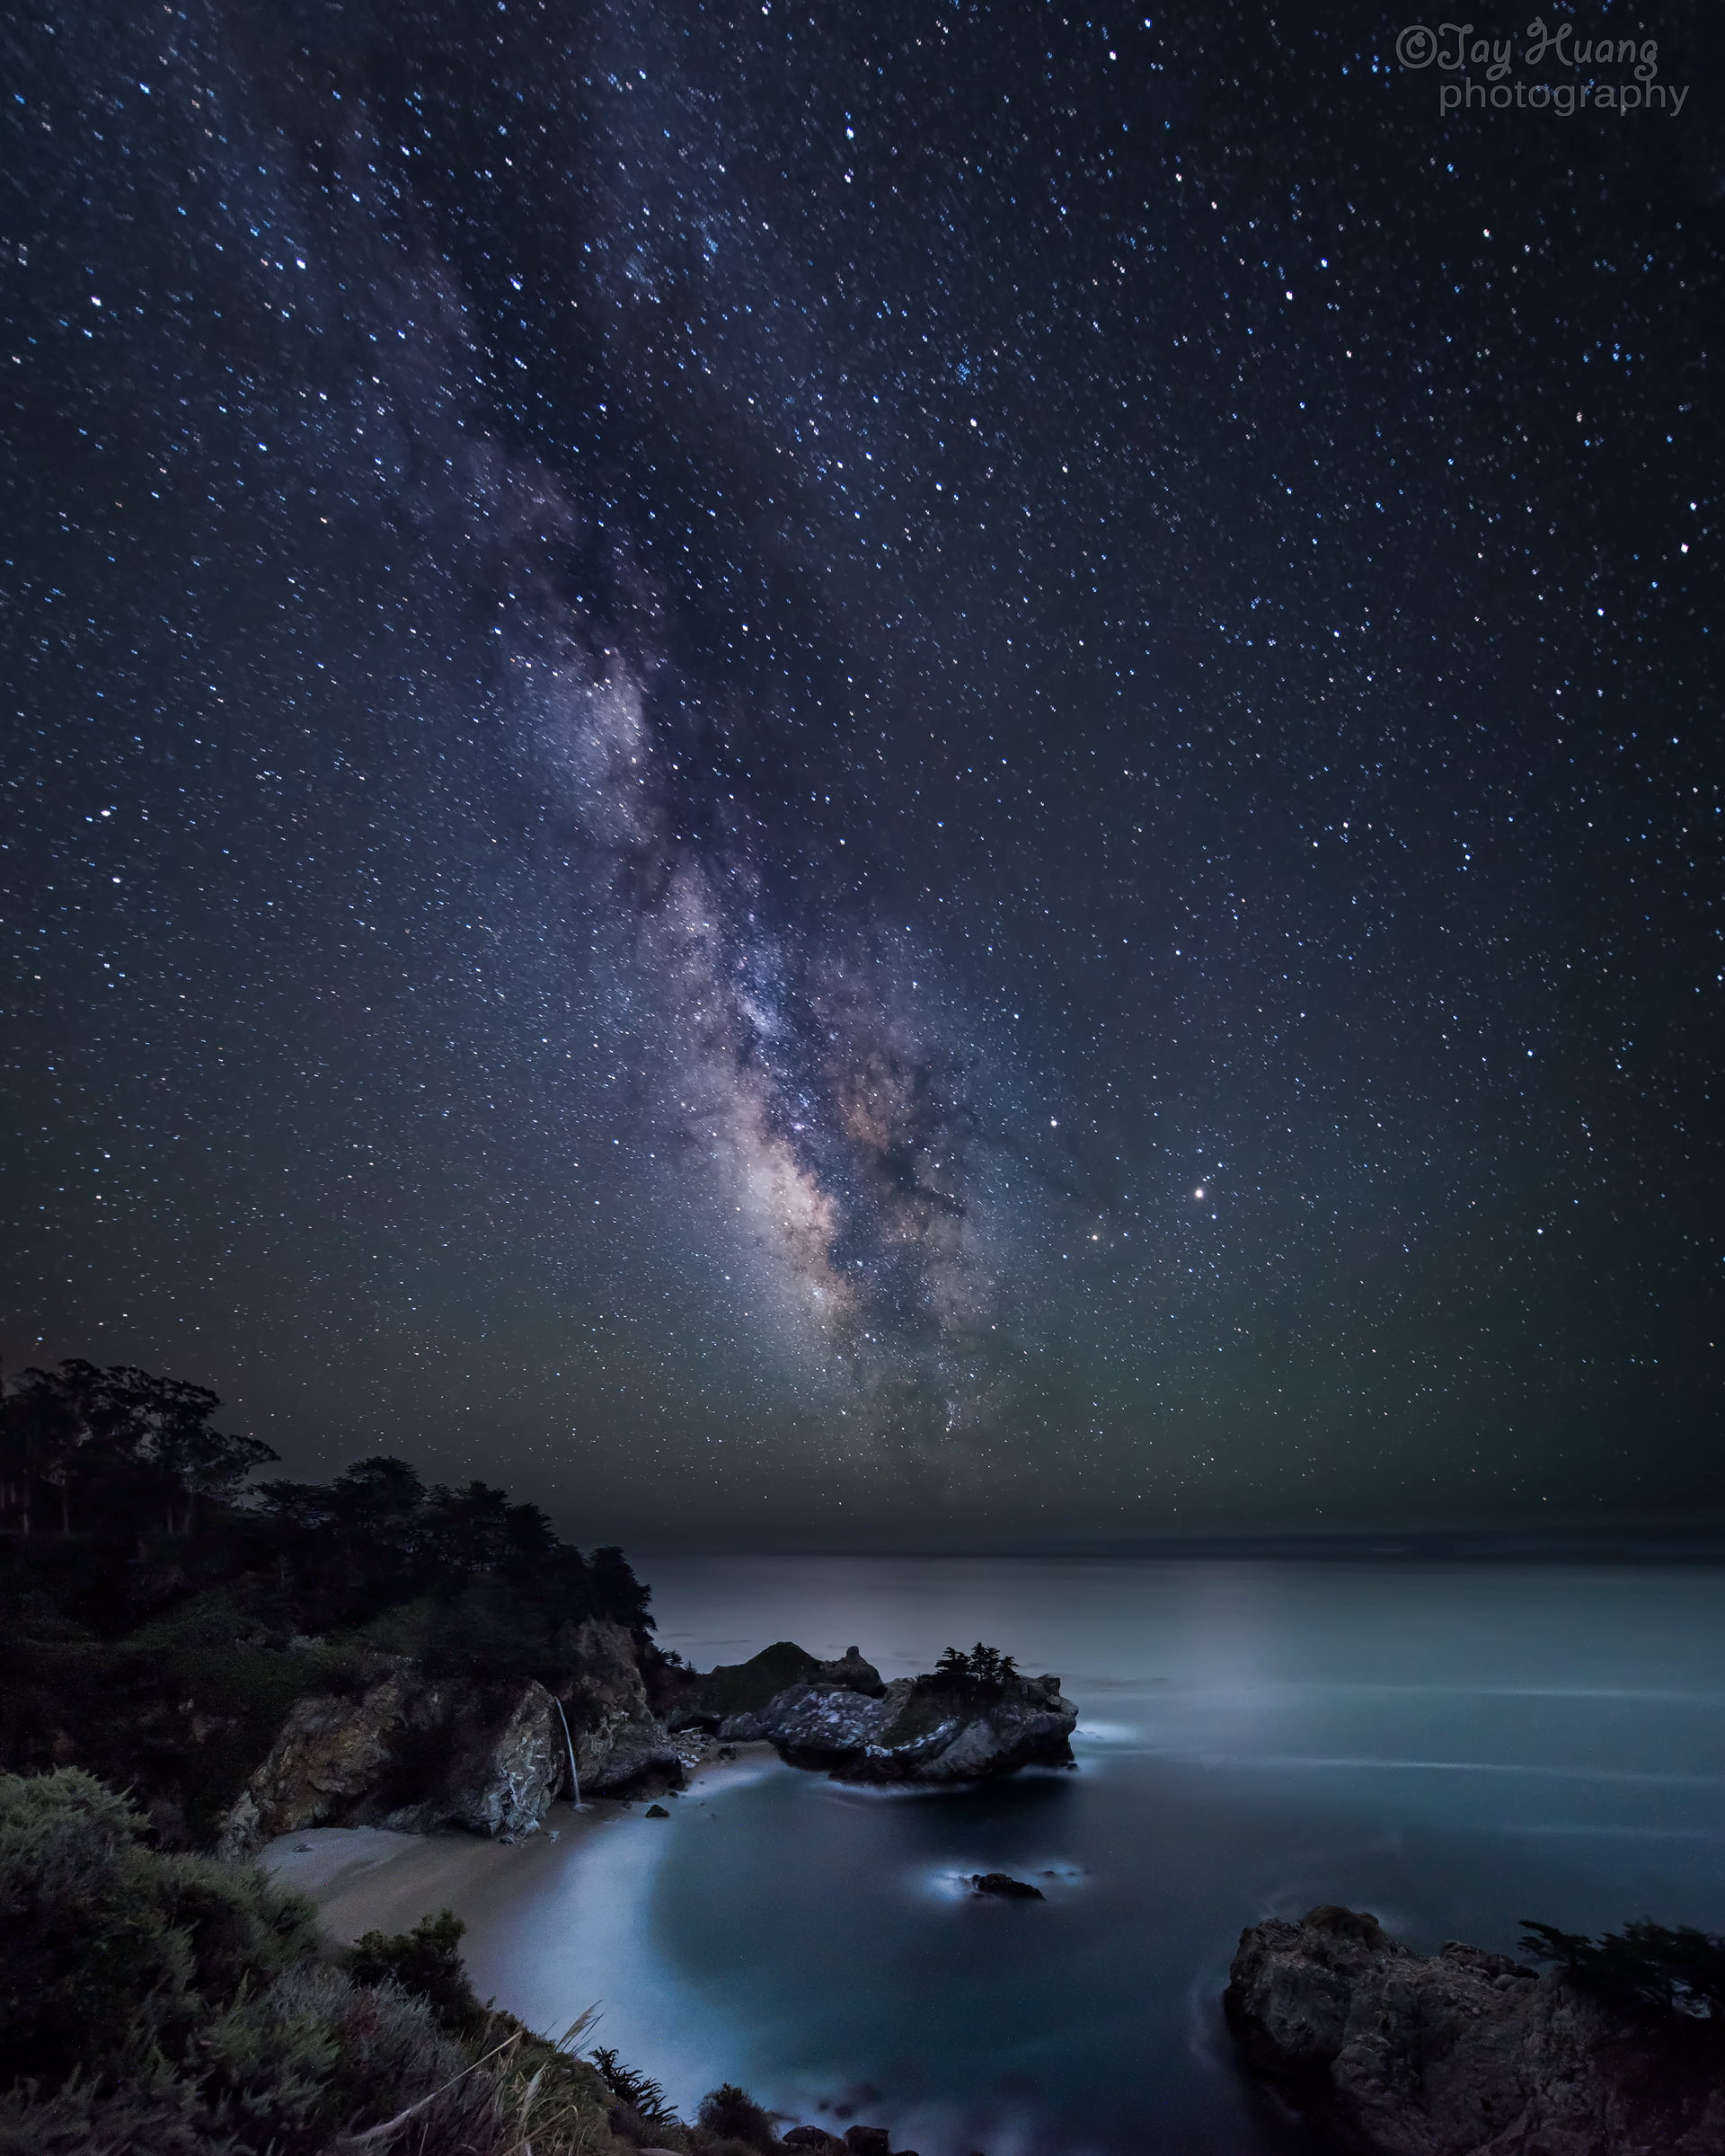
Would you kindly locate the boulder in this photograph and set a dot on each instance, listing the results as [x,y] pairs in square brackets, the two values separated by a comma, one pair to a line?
[1465,2053]
[918,1729]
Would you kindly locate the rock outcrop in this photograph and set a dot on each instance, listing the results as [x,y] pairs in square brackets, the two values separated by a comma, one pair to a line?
[1004,1887]
[691,1698]
[915,1729]
[1464,2053]
[420,1753]
[407,1752]
[850,1673]
[620,1743]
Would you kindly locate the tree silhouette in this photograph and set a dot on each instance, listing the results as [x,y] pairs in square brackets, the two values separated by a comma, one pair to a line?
[984,1670]
[118,1445]
[1669,1969]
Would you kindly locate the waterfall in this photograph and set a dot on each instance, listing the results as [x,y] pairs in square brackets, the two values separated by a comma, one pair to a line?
[574,1776]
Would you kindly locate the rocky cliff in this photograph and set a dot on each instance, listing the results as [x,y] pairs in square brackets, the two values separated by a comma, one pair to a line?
[1464,2053]
[692,1699]
[914,1729]
[419,1752]
[620,1743]
[688,1699]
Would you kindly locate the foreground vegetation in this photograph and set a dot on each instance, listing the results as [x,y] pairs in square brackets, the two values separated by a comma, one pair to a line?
[162,1618]
[1664,1972]
[169,2005]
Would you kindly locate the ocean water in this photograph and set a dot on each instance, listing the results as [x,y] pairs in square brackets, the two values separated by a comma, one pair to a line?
[1455,1747]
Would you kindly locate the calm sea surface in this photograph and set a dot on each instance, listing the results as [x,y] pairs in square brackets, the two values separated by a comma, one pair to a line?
[1453,1747]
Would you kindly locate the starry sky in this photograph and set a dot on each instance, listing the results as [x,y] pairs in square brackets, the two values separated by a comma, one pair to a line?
[821,773]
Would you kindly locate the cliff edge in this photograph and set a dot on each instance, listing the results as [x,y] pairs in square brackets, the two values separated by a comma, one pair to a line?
[417,1752]
[1465,2053]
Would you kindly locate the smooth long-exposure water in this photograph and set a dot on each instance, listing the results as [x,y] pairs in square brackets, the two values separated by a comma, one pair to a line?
[1453,1746]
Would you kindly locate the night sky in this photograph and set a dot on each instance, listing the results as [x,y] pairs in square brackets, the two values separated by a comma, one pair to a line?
[875,771]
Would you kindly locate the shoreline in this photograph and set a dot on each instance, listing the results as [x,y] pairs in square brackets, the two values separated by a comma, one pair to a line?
[365,1879]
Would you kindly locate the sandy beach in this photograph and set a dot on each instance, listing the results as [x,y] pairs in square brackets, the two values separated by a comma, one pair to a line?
[365,1879]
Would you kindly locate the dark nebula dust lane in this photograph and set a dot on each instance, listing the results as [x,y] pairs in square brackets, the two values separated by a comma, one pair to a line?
[920,772]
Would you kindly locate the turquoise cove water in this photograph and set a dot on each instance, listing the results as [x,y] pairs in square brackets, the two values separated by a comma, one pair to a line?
[1453,1747]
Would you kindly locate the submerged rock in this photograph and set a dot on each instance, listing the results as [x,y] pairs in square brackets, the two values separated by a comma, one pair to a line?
[1464,2053]
[918,1729]
[1004,1886]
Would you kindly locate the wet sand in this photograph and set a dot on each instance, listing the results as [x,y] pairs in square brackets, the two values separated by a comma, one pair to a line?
[367,1879]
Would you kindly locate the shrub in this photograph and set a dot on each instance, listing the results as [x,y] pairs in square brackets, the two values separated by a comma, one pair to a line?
[426,1963]
[91,1955]
[1663,1969]
[170,2004]
[82,2121]
[643,2095]
[733,2114]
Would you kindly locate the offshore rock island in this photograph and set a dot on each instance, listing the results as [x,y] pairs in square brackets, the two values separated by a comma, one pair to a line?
[972,1719]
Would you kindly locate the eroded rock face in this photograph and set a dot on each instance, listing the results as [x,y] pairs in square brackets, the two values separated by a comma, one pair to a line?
[421,1754]
[912,1732]
[692,1699]
[1464,2053]
[407,1752]
[501,1779]
[619,1740]
[330,1754]
[851,1673]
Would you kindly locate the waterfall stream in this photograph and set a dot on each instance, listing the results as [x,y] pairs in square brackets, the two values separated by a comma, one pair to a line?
[574,1773]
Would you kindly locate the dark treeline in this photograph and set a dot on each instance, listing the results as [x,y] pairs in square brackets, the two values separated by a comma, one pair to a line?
[162,1613]
[984,1673]
[99,1447]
